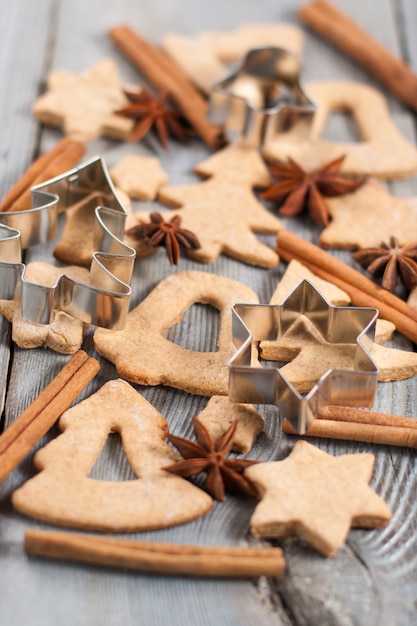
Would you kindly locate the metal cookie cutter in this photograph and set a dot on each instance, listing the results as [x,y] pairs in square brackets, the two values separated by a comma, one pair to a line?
[262,97]
[253,323]
[105,299]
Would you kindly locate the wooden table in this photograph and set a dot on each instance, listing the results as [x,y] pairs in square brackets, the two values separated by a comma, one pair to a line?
[373,578]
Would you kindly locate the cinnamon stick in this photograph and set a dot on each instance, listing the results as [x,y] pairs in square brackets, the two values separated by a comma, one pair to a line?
[359,431]
[345,34]
[361,416]
[166,76]
[18,439]
[162,558]
[64,156]
[31,173]
[362,290]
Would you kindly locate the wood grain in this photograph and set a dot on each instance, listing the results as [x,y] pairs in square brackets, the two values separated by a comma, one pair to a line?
[372,580]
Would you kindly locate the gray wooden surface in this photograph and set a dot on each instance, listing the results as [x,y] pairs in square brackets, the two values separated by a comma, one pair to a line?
[373,579]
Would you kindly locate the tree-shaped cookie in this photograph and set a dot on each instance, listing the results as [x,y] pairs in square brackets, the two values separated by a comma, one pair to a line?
[142,353]
[64,494]
[223,211]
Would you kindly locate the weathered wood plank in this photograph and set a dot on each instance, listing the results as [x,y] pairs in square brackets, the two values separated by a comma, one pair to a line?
[24,56]
[21,68]
[373,577]
[407,19]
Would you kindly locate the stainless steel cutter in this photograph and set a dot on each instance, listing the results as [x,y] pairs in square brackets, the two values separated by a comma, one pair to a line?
[249,382]
[105,299]
[262,97]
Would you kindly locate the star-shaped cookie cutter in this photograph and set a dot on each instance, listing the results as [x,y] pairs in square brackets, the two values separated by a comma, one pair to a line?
[104,301]
[262,97]
[253,323]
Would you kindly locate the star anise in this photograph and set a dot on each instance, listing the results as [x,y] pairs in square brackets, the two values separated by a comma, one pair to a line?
[152,113]
[391,261]
[168,234]
[297,189]
[210,457]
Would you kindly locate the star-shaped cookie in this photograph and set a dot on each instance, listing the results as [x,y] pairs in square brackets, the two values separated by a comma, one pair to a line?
[223,211]
[308,354]
[316,496]
[83,104]
[368,216]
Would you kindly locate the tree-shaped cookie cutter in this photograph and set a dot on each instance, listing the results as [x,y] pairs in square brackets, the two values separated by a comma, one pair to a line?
[253,323]
[105,299]
[262,97]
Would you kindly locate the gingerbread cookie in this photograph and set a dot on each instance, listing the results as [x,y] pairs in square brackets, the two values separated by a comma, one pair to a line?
[297,272]
[382,151]
[307,354]
[141,352]
[394,364]
[220,414]
[83,105]
[139,176]
[223,211]
[368,216]
[316,496]
[64,494]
